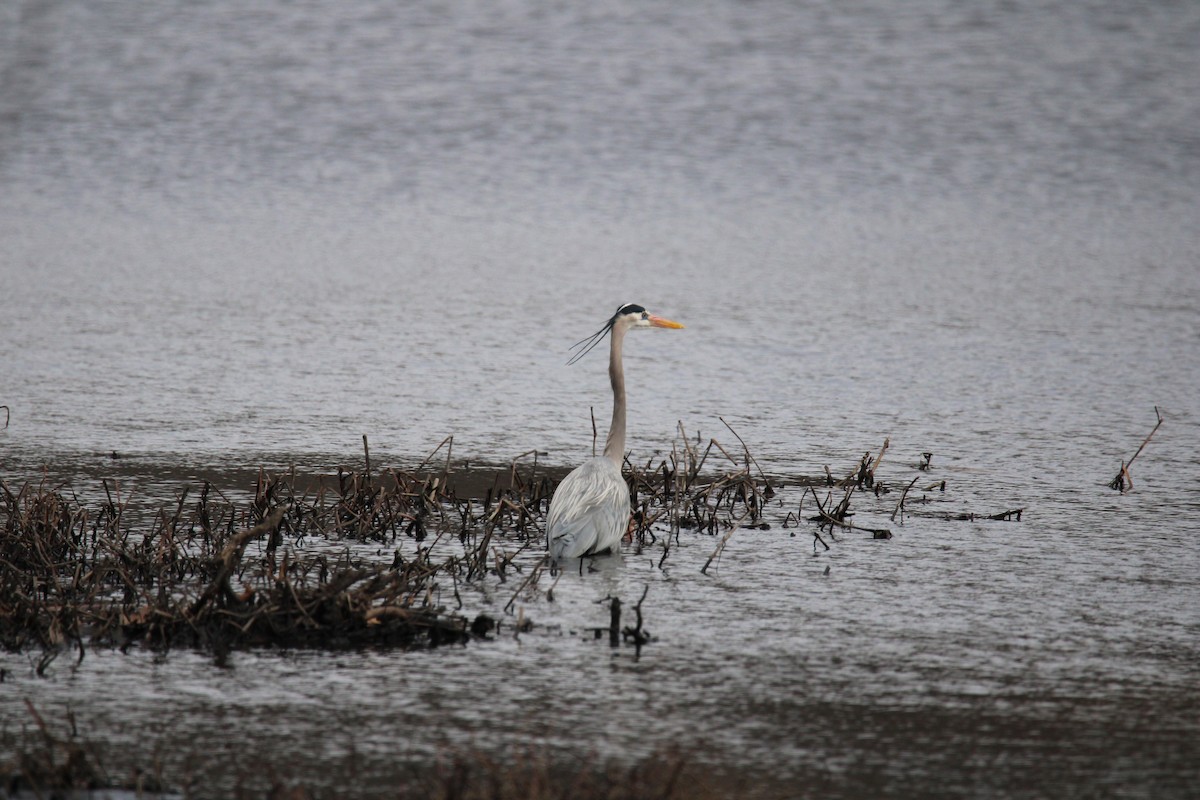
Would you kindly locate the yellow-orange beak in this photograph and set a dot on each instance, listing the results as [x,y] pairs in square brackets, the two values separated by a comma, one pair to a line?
[659,322]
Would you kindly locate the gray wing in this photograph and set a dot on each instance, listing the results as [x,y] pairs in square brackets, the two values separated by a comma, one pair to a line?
[589,512]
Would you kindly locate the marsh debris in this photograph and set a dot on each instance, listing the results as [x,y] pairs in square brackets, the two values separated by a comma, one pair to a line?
[367,557]
[211,573]
[1123,482]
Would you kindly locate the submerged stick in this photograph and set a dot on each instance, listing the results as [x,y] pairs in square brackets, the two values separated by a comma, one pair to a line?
[900,506]
[721,544]
[532,578]
[1124,481]
[614,622]
[639,637]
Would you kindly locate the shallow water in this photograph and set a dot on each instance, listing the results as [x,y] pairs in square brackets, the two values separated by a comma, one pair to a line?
[235,238]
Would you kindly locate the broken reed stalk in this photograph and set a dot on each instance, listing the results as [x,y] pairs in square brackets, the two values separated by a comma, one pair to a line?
[532,578]
[749,458]
[513,478]
[879,458]
[448,443]
[900,505]
[721,544]
[614,621]
[367,459]
[1124,481]
[6,416]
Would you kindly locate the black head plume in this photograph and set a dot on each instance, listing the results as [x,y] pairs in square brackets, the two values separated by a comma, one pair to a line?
[598,337]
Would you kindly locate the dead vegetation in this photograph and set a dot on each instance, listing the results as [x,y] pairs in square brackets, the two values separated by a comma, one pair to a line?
[835,506]
[215,574]
[349,560]
[370,557]
[1124,480]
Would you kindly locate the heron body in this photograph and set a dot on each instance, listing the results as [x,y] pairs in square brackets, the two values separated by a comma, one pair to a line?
[589,512]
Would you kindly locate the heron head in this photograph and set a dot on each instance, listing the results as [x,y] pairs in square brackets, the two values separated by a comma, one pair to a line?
[629,315]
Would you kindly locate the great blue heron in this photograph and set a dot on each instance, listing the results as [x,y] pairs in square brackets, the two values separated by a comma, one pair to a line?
[589,512]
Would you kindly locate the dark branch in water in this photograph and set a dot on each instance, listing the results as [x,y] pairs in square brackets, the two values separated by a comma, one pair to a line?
[967,516]
[837,516]
[900,505]
[636,633]
[1124,481]
[721,544]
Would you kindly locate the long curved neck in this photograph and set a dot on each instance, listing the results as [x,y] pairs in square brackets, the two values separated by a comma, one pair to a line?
[614,446]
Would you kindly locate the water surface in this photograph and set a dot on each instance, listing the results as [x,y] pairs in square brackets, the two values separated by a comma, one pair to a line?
[236,237]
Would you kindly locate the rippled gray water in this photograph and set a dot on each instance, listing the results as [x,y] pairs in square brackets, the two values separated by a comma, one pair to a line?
[239,236]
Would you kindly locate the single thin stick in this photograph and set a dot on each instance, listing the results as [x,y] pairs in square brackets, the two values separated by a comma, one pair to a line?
[512,473]
[367,457]
[448,440]
[1124,480]
[900,505]
[749,458]
[41,723]
[1147,439]
[640,638]
[687,447]
[882,450]
[722,543]
[883,531]
[614,622]
[534,574]
[6,415]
